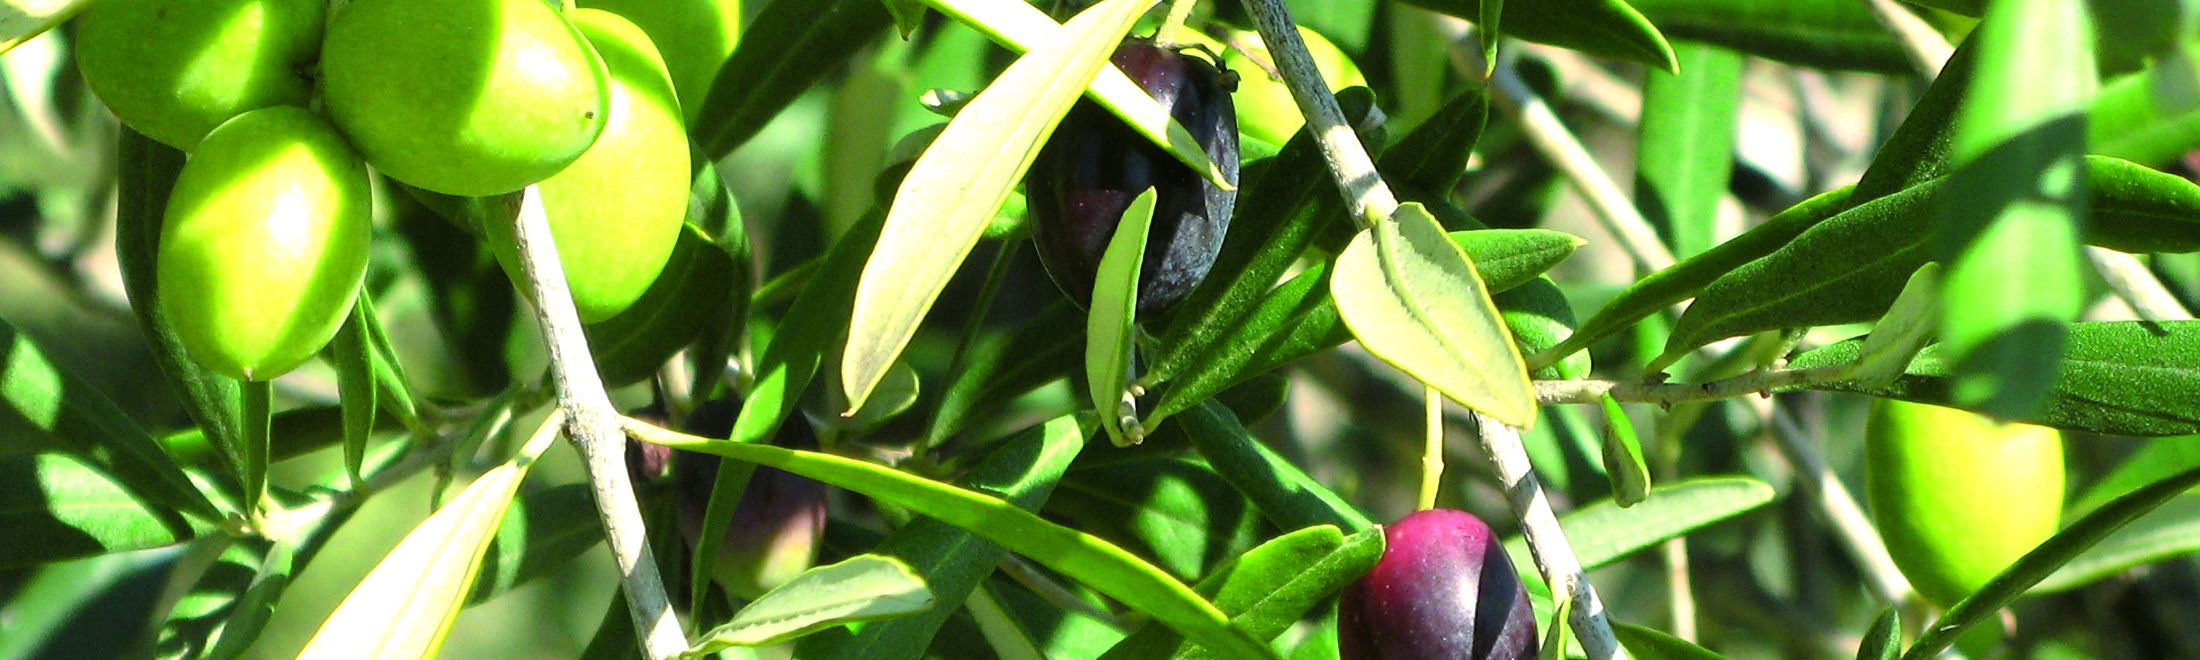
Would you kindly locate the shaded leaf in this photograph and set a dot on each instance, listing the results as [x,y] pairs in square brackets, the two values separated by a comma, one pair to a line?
[355,386]
[1179,513]
[1284,494]
[1623,456]
[860,588]
[1905,330]
[1005,364]
[1650,644]
[1269,587]
[59,507]
[541,534]
[2165,533]
[45,409]
[2118,378]
[953,190]
[790,357]
[1826,34]
[1602,532]
[1606,28]
[1884,640]
[788,46]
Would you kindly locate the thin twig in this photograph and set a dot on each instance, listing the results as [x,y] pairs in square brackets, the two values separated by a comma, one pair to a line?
[1610,205]
[1840,508]
[593,424]
[1925,47]
[1371,200]
[1763,381]
[2137,286]
[1561,569]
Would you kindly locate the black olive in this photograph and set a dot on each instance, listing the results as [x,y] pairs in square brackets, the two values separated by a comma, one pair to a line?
[1443,589]
[1095,165]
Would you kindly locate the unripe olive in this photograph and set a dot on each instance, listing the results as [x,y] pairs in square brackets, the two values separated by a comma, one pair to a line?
[175,69]
[1443,589]
[695,36]
[1957,496]
[615,213]
[1265,110]
[264,242]
[1094,166]
[462,97]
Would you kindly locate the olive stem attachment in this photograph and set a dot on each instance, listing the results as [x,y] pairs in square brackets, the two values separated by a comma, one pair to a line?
[1561,568]
[593,425]
[1371,200]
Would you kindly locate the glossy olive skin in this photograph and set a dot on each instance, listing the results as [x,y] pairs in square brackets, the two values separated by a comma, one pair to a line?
[264,243]
[462,97]
[1094,166]
[695,36]
[1957,496]
[1443,589]
[175,69]
[615,213]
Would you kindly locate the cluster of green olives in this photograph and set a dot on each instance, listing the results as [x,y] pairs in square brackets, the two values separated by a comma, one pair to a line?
[284,107]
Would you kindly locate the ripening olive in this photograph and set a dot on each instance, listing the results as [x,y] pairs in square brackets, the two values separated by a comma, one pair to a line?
[264,242]
[1443,589]
[1958,496]
[615,213]
[695,36]
[175,69]
[462,97]
[1265,110]
[781,519]
[1094,166]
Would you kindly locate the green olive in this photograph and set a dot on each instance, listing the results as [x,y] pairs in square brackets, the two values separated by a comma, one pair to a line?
[1957,496]
[175,69]
[1264,106]
[264,242]
[695,36]
[615,213]
[462,97]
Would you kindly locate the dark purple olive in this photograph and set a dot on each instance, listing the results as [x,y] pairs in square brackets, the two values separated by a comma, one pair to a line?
[775,531]
[1443,589]
[1092,168]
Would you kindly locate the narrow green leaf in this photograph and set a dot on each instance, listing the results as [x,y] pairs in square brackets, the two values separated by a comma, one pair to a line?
[541,534]
[1282,492]
[2042,561]
[789,46]
[1904,331]
[1683,280]
[1540,317]
[1884,640]
[1024,471]
[1022,27]
[2165,533]
[1491,21]
[2010,213]
[258,409]
[21,20]
[50,410]
[1685,149]
[2132,118]
[712,207]
[1919,149]
[1434,154]
[812,325]
[394,392]
[1824,34]
[1269,587]
[1623,457]
[1606,28]
[1557,636]
[2156,460]
[59,507]
[1413,299]
[860,588]
[1602,532]
[951,193]
[908,15]
[405,606]
[2119,378]
[1650,644]
[1851,267]
[1177,512]
[355,387]
[1079,555]
[146,172]
[1111,326]
[1005,364]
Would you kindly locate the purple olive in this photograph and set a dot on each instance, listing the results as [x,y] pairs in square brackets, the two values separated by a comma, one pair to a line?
[1092,168]
[1443,589]
[775,530]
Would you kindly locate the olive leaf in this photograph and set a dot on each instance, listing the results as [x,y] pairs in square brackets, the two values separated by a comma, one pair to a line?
[1684,153]
[1884,641]
[1606,28]
[2130,118]
[355,386]
[2009,216]
[23,20]
[1413,299]
[1824,34]
[1623,456]
[1111,326]
[2118,378]
[1269,587]
[789,46]
[1007,363]
[865,587]
[1286,495]
[1905,330]
[1653,644]
[953,190]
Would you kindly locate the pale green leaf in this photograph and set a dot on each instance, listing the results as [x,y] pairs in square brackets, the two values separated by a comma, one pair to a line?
[1554,641]
[20,20]
[1413,299]
[355,386]
[1904,331]
[862,588]
[951,193]
[1111,326]
[1623,456]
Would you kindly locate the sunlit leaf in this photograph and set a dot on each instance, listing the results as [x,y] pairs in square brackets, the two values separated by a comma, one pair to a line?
[860,588]
[1111,326]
